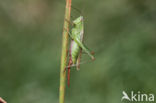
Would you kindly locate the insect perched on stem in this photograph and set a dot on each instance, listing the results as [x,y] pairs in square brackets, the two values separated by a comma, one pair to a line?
[77,45]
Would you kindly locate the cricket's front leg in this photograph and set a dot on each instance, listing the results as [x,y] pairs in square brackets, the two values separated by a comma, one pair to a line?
[69,22]
[70,34]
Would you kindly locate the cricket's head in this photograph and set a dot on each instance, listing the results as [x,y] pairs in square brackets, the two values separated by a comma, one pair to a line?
[78,20]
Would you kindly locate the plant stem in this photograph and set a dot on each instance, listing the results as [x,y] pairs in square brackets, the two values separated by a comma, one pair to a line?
[64,51]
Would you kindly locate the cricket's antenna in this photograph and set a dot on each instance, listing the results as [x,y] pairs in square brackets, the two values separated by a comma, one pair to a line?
[76,9]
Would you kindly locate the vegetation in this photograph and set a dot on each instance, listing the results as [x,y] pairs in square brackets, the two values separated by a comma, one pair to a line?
[122,34]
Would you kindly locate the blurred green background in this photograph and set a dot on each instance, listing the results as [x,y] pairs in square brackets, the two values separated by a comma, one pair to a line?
[121,32]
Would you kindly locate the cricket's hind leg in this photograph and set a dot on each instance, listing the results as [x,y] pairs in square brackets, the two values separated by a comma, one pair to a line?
[92,52]
[2,101]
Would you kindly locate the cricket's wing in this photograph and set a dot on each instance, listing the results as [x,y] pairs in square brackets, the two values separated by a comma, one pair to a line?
[78,41]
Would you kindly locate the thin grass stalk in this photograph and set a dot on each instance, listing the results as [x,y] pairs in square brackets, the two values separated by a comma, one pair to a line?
[64,52]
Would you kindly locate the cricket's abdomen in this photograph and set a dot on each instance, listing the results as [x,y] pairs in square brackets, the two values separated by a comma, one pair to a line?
[75,50]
